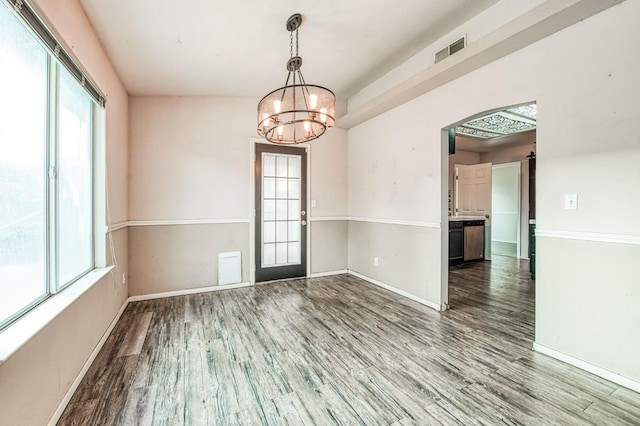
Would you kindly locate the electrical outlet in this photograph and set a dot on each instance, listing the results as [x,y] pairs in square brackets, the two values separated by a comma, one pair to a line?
[375,261]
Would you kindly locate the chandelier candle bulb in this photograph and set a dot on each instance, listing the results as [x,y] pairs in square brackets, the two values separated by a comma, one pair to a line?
[323,114]
[297,112]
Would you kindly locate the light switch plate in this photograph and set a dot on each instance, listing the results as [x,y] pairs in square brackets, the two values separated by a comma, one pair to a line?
[313,203]
[571,201]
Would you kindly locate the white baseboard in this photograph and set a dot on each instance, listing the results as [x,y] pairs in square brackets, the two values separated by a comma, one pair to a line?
[397,291]
[76,383]
[600,372]
[328,274]
[187,292]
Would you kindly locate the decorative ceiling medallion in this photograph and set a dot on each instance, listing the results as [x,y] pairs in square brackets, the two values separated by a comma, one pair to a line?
[529,111]
[501,123]
[468,131]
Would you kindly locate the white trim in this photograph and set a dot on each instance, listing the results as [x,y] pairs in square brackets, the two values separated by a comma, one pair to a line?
[186,292]
[396,222]
[397,291]
[117,226]
[590,236]
[598,371]
[187,222]
[132,223]
[328,274]
[76,383]
[167,222]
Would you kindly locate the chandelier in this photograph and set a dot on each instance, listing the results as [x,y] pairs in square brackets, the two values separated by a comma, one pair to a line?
[298,112]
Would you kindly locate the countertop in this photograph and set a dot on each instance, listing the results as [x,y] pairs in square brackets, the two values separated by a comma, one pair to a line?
[460,218]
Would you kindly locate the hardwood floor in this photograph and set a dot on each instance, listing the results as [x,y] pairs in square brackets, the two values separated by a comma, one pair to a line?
[338,350]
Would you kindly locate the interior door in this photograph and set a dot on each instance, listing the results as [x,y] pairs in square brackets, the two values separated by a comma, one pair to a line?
[473,196]
[281,205]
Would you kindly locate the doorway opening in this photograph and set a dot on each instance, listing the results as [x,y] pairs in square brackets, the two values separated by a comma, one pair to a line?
[486,181]
[505,206]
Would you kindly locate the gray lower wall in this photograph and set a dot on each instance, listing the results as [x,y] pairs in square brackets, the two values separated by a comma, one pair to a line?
[407,256]
[328,246]
[598,281]
[181,257]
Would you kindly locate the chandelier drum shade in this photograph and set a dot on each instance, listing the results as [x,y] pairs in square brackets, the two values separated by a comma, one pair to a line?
[297,112]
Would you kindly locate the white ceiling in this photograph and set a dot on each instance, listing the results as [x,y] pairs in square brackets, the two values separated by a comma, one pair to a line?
[240,48]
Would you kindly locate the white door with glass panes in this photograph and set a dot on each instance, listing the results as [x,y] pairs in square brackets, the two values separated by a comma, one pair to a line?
[281,219]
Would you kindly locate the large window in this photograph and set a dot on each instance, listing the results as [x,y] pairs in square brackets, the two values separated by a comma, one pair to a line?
[46,179]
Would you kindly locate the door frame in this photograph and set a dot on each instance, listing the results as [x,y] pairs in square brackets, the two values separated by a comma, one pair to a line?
[252,205]
[518,166]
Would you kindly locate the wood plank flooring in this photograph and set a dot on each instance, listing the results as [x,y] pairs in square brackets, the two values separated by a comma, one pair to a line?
[338,350]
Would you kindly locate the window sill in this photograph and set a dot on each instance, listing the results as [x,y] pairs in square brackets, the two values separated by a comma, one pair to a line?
[19,333]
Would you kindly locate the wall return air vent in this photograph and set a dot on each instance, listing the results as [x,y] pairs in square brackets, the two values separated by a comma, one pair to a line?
[454,47]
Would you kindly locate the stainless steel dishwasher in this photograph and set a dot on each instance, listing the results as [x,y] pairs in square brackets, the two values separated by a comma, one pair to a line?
[473,239]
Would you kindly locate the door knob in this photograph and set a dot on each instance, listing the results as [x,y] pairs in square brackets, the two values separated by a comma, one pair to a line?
[303,223]
[487,216]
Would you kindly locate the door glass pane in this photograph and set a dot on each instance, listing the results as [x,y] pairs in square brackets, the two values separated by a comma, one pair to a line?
[281,166]
[294,252]
[269,232]
[294,167]
[281,188]
[281,253]
[294,231]
[269,165]
[294,210]
[281,210]
[269,210]
[23,100]
[269,254]
[294,188]
[75,201]
[281,232]
[269,188]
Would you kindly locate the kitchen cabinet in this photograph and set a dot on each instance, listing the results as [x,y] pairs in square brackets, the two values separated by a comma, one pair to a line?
[456,242]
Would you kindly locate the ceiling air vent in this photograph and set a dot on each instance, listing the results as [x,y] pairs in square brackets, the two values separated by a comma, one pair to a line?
[454,47]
